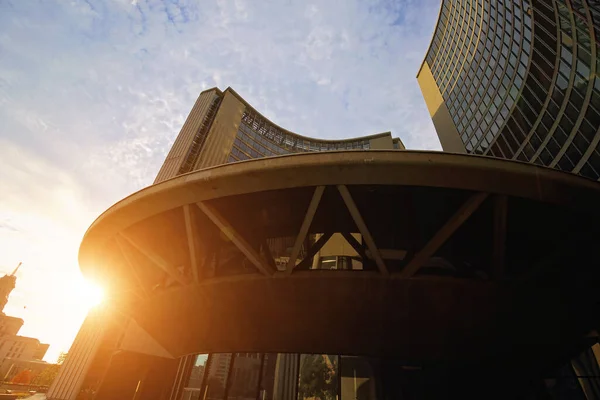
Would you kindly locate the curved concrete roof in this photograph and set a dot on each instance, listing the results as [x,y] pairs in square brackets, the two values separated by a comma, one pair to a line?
[421,168]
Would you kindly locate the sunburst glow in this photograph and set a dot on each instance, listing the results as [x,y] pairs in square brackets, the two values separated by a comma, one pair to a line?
[90,294]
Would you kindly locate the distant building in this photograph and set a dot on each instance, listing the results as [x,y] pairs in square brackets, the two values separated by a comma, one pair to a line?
[10,325]
[7,284]
[16,352]
[22,348]
[11,367]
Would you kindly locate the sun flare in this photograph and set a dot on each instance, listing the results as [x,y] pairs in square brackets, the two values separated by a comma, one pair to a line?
[91,294]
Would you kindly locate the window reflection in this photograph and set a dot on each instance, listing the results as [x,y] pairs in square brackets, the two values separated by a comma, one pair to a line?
[216,379]
[244,376]
[338,253]
[358,378]
[318,377]
[193,389]
[290,376]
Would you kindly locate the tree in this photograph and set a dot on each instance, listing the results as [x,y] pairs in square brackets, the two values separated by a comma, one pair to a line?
[318,380]
[61,357]
[23,377]
[47,376]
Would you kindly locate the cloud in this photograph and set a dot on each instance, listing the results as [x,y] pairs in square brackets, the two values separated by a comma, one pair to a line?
[93,93]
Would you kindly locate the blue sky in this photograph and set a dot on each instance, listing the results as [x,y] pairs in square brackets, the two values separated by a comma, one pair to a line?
[93,93]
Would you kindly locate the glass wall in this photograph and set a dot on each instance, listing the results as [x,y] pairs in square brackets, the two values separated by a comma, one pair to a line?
[258,137]
[192,389]
[521,79]
[289,376]
[478,58]
[557,117]
[283,376]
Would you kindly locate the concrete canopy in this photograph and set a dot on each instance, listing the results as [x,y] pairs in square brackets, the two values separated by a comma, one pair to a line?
[465,258]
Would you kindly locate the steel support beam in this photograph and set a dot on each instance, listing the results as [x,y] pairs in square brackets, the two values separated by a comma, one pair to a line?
[308,217]
[362,227]
[236,238]
[190,230]
[314,249]
[155,258]
[356,245]
[443,234]
[129,262]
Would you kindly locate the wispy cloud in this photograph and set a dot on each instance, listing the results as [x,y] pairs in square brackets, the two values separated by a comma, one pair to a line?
[92,94]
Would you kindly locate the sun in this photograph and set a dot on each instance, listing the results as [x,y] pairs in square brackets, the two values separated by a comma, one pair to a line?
[91,294]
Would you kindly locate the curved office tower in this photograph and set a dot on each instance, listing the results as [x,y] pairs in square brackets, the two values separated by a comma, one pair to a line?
[518,80]
[222,128]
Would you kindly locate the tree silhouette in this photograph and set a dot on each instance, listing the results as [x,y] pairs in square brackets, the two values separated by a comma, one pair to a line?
[318,379]
[23,377]
[47,376]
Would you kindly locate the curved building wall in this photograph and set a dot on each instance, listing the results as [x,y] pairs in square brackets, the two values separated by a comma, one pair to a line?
[222,127]
[519,80]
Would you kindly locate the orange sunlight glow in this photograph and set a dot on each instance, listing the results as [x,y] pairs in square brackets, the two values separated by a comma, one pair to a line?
[89,294]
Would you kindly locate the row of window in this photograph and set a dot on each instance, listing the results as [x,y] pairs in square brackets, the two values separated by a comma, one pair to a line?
[486,91]
[16,349]
[540,65]
[292,143]
[551,124]
[459,38]
[509,100]
[276,376]
[293,376]
[255,139]
[259,142]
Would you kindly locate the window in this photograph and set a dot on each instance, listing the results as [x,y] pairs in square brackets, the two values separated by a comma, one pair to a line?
[244,375]
[318,376]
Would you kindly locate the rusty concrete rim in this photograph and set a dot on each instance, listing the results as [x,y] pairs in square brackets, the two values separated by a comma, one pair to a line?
[372,167]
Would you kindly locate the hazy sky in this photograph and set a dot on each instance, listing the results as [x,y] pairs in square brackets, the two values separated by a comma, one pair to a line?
[93,93]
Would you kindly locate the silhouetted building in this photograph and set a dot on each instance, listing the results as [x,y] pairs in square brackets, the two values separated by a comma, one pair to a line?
[10,326]
[16,352]
[22,348]
[7,284]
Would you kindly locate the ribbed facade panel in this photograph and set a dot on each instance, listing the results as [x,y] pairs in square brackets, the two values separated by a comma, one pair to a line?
[72,373]
[182,144]
[222,132]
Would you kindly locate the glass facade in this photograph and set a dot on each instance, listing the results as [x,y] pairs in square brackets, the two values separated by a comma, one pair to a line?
[257,137]
[479,57]
[288,376]
[520,79]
